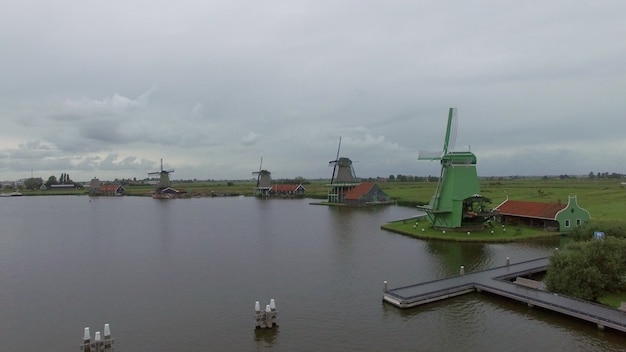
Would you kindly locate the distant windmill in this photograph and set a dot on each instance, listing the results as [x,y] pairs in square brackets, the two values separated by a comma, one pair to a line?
[457,202]
[164,177]
[263,181]
[343,178]
[342,169]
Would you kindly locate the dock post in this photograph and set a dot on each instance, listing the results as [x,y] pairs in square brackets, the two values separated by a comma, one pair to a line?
[508,261]
[97,342]
[462,271]
[260,317]
[108,341]
[86,340]
[272,314]
[268,316]
[384,286]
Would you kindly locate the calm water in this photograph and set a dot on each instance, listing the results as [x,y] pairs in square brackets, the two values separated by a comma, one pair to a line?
[183,275]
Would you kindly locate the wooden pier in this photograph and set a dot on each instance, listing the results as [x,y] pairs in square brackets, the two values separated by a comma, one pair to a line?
[507,281]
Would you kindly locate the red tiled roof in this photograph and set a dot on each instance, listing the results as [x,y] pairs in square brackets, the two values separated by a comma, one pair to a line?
[357,192]
[285,188]
[530,209]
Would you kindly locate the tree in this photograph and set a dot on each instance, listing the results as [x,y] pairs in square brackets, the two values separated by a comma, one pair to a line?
[33,183]
[392,177]
[588,270]
[52,180]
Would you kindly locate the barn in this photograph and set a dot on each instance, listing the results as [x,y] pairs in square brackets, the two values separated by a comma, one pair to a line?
[366,193]
[111,190]
[287,190]
[561,217]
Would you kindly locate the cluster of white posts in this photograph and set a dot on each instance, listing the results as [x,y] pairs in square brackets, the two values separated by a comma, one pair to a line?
[98,344]
[267,318]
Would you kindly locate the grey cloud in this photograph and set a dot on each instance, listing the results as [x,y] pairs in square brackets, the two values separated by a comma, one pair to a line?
[239,79]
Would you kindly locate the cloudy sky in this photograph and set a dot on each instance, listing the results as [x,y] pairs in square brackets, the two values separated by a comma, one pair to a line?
[108,88]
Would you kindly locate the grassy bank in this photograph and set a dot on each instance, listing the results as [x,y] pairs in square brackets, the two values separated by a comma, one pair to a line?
[422,229]
[604,199]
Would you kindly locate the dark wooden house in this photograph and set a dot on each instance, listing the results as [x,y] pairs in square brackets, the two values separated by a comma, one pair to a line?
[287,190]
[366,193]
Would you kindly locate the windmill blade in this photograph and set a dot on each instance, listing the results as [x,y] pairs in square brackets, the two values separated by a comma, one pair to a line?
[428,155]
[336,161]
[450,139]
[258,178]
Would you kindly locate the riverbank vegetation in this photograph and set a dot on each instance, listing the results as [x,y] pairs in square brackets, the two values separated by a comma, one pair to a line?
[604,198]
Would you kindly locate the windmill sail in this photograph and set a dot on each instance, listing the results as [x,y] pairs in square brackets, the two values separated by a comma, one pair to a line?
[449,140]
[335,162]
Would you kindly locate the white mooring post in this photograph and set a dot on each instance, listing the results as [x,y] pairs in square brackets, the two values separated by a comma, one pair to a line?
[259,317]
[108,341]
[86,340]
[384,286]
[462,271]
[508,261]
[268,316]
[97,342]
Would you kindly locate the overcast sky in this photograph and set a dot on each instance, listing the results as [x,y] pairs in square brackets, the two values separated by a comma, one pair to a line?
[107,88]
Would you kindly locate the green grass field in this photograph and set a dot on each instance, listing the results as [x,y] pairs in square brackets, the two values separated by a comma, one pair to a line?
[604,199]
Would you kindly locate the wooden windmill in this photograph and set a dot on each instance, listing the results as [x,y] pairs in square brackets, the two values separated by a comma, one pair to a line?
[457,203]
[343,178]
[263,182]
[164,180]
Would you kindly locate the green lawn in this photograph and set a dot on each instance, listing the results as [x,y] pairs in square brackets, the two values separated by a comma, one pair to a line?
[604,199]
[614,299]
[422,229]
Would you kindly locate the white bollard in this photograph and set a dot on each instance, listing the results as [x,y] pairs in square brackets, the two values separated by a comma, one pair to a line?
[86,340]
[97,342]
[259,317]
[108,341]
[508,261]
[268,316]
[385,286]
[462,271]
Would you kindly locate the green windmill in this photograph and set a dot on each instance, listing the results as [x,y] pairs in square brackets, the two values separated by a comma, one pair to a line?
[457,203]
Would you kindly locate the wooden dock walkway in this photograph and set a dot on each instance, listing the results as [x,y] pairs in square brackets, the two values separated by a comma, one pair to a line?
[499,281]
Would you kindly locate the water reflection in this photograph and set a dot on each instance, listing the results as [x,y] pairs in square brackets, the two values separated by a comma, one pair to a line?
[266,337]
[454,254]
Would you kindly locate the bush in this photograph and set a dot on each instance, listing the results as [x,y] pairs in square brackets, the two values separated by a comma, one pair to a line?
[588,270]
[613,228]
